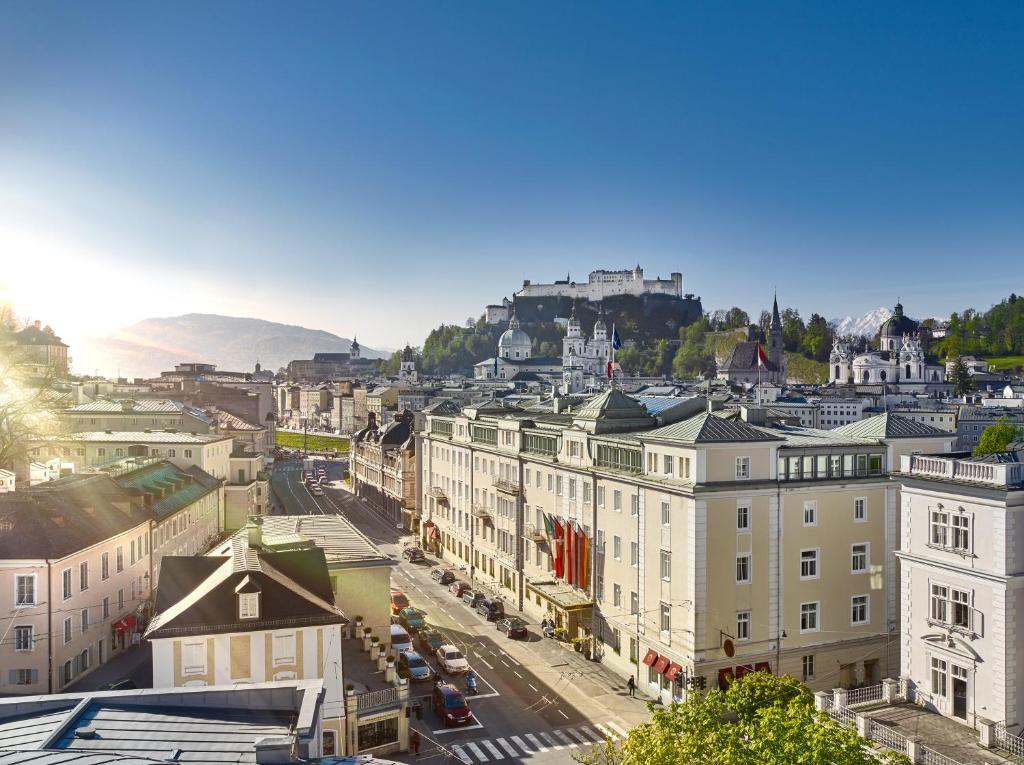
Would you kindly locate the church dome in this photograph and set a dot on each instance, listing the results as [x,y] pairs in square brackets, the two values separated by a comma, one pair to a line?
[514,338]
[895,327]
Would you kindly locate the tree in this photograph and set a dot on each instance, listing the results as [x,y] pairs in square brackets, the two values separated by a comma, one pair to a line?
[760,720]
[961,378]
[995,438]
[26,397]
[793,329]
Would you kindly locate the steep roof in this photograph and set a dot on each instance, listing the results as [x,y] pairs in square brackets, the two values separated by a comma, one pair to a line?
[32,335]
[707,428]
[744,356]
[890,425]
[612,412]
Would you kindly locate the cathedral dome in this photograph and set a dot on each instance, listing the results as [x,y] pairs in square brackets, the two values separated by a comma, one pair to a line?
[514,343]
[891,333]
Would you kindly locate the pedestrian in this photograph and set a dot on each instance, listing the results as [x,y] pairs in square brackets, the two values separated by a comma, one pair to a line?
[414,742]
[631,684]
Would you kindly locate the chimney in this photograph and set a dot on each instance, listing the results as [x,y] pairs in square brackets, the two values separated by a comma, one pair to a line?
[254,530]
[755,415]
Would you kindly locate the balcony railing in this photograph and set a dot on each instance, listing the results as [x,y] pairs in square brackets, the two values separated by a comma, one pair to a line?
[952,469]
[385,697]
[535,534]
[437,493]
[506,486]
[481,511]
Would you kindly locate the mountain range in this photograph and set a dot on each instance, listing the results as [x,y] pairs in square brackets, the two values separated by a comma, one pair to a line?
[866,325]
[233,343]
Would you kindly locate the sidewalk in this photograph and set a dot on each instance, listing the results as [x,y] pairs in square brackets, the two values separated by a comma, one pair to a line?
[135,664]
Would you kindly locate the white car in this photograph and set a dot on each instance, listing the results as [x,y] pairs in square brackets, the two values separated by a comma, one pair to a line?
[451,660]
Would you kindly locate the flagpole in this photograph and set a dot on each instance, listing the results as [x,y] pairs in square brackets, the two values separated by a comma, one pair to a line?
[612,367]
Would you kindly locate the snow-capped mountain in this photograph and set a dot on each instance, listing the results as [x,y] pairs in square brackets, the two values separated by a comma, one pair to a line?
[866,325]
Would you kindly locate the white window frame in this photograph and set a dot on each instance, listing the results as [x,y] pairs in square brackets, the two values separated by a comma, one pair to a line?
[860,504]
[20,630]
[743,516]
[67,584]
[812,506]
[816,611]
[814,563]
[939,676]
[749,568]
[68,631]
[280,656]
[743,468]
[867,557]
[743,625]
[248,605]
[807,666]
[665,565]
[17,581]
[867,610]
[193,649]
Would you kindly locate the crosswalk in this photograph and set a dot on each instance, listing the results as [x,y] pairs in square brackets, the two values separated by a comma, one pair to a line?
[525,744]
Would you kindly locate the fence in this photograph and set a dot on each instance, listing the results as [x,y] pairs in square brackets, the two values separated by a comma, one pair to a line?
[843,715]
[1009,741]
[866,695]
[887,737]
[931,757]
[373,699]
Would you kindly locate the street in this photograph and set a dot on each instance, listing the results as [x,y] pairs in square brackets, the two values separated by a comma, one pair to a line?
[537,700]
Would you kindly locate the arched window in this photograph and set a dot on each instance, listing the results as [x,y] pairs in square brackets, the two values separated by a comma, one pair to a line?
[908,371]
[837,371]
[881,375]
[867,376]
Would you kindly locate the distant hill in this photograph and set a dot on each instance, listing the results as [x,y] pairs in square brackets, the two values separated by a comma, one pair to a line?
[233,343]
[864,326]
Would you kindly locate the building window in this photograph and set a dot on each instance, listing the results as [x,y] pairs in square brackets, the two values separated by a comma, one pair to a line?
[193,658]
[68,673]
[666,513]
[961,607]
[634,505]
[25,590]
[743,625]
[67,630]
[617,548]
[249,605]
[961,527]
[743,517]
[634,554]
[859,609]
[617,595]
[807,664]
[809,564]
[743,568]
[65,576]
[666,618]
[83,576]
[859,558]
[940,600]
[106,607]
[668,463]
[617,501]
[119,565]
[809,617]
[599,587]
[810,513]
[105,566]
[666,566]
[284,649]
[634,603]
[23,638]
[938,677]
[860,509]
[600,496]
[940,528]
[742,468]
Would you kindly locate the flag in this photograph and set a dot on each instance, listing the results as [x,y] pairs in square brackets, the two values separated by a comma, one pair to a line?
[559,547]
[762,360]
[616,342]
[582,539]
[609,370]
[495,366]
[570,554]
[549,527]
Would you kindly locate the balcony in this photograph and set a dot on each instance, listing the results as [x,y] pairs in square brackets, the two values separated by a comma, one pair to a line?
[480,511]
[506,486]
[438,493]
[1002,475]
[535,534]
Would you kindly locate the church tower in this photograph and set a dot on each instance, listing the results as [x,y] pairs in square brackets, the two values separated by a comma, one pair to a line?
[407,367]
[573,341]
[354,349]
[776,355]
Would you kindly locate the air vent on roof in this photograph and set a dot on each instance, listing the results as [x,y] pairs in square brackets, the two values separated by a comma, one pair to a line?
[85,732]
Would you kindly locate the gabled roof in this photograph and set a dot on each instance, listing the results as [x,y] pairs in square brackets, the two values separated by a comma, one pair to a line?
[444,406]
[612,412]
[744,356]
[890,425]
[707,428]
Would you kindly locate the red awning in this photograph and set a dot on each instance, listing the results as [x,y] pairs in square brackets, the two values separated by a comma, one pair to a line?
[661,664]
[724,678]
[651,657]
[125,624]
[673,671]
[743,669]
[763,666]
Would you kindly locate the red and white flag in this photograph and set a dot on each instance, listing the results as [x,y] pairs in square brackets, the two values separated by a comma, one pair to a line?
[762,360]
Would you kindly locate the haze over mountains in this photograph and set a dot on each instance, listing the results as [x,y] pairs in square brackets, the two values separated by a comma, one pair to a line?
[233,343]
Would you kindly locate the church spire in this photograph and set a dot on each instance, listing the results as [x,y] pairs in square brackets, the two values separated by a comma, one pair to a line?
[776,320]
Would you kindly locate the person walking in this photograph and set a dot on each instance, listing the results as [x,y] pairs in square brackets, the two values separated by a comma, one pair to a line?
[631,684]
[414,742]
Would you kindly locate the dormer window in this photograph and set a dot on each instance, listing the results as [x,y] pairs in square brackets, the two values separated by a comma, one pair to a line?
[249,605]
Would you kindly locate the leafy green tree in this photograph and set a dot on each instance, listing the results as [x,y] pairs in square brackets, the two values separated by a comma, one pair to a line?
[995,438]
[961,378]
[760,720]
[793,330]
[817,340]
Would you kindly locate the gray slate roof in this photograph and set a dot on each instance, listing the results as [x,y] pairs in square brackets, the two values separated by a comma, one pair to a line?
[890,425]
[707,428]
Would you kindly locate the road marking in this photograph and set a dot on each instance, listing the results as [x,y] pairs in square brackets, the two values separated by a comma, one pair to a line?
[549,741]
[441,732]
[478,751]
[505,663]
[534,687]
[617,729]
[461,754]
[493,750]
[563,714]
[578,736]
[507,747]
[591,733]
[565,739]
[521,744]
[484,662]
[485,695]
[517,674]
[607,732]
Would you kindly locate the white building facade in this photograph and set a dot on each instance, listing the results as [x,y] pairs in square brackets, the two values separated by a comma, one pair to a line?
[601,284]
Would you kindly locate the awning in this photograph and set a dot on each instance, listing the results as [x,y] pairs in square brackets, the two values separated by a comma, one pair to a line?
[743,669]
[724,678]
[673,671]
[125,624]
[763,666]
[651,657]
[661,664]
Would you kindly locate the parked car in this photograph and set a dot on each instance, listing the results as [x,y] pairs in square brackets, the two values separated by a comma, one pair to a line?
[412,619]
[430,640]
[442,576]
[457,588]
[491,609]
[451,660]
[472,597]
[411,665]
[400,640]
[451,706]
[413,554]
[513,627]
[399,600]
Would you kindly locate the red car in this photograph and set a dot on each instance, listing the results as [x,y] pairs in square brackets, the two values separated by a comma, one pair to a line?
[456,588]
[398,601]
[451,705]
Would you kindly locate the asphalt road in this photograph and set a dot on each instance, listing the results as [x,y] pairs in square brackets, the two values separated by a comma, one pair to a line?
[521,713]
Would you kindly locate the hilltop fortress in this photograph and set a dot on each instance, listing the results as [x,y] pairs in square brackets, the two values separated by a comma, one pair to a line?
[546,302]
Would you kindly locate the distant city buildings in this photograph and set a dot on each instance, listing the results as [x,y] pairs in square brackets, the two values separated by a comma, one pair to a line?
[43,350]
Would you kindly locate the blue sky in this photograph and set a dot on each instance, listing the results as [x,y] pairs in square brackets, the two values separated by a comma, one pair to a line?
[377,168]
